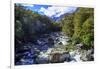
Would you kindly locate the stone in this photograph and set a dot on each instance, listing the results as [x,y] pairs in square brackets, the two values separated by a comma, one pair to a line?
[66,56]
[59,57]
[60,43]
[87,55]
[42,58]
[79,46]
[26,61]
[55,58]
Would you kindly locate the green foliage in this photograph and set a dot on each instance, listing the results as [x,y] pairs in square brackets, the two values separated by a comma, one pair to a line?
[80,26]
[68,26]
[56,26]
[87,35]
[29,24]
[70,47]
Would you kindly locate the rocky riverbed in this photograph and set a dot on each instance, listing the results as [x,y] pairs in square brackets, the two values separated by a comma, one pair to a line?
[51,48]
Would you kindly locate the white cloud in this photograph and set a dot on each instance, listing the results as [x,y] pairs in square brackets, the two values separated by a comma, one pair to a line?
[56,11]
[49,11]
[28,5]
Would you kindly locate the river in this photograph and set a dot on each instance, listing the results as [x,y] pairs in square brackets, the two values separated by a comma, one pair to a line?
[48,48]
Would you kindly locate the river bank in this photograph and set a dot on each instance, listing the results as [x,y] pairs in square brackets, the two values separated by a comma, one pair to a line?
[51,48]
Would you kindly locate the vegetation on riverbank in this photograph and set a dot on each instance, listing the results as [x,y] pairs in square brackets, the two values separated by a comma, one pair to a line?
[29,24]
[35,33]
[80,27]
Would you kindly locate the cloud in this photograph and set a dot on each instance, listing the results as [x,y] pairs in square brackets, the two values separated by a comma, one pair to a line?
[56,11]
[49,11]
[28,5]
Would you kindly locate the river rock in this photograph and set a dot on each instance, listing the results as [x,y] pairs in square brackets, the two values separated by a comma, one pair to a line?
[59,57]
[26,61]
[87,55]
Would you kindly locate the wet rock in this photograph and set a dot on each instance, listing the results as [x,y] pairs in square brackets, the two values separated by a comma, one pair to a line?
[42,60]
[26,61]
[27,55]
[87,55]
[60,43]
[66,56]
[60,57]
[79,45]
[64,40]
[55,58]
[57,39]
[50,41]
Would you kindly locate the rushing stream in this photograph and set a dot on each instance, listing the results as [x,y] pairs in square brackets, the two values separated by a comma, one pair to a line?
[48,48]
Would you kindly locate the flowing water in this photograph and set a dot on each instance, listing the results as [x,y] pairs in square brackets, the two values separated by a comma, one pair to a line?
[48,48]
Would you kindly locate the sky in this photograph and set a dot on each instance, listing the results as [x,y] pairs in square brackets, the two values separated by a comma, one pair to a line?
[50,10]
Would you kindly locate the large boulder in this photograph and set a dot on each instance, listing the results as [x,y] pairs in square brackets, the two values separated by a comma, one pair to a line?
[59,57]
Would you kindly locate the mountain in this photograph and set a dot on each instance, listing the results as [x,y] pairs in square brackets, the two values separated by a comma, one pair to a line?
[63,15]
[57,19]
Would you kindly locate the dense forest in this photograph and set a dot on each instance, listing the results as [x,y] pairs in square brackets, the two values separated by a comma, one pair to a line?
[32,30]
[29,24]
[80,27]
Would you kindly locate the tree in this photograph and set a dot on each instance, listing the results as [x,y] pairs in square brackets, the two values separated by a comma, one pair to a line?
[87,35]
[80,18]
[68,26]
